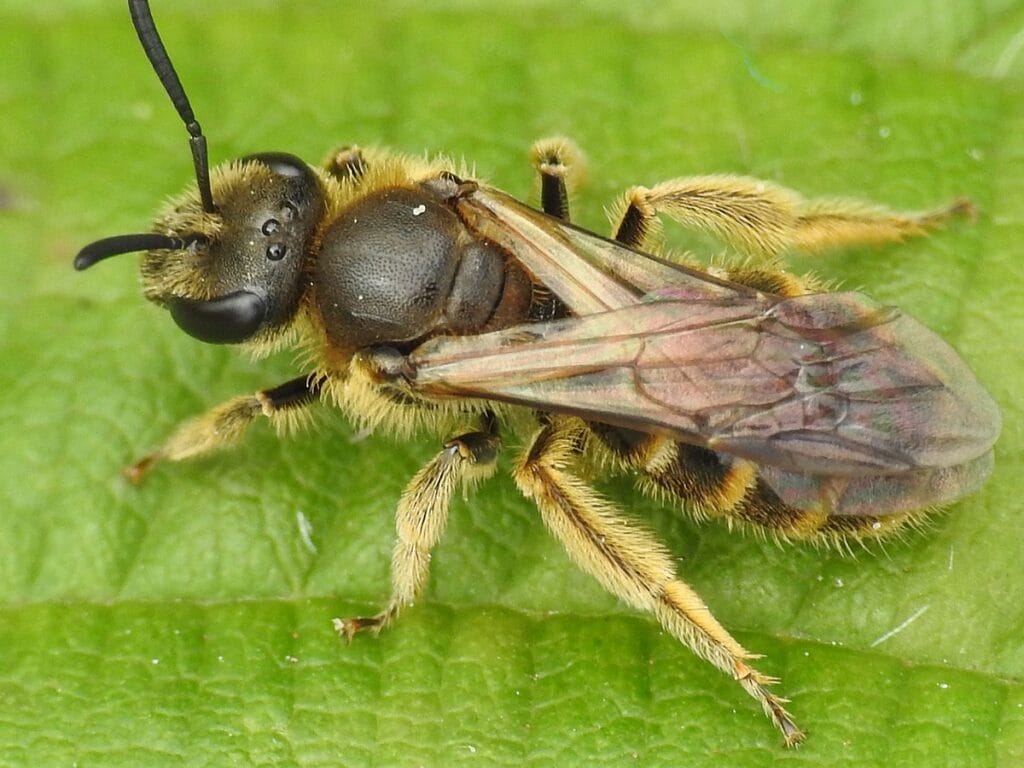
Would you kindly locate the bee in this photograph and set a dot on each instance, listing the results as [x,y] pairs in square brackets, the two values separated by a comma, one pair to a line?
[427,300]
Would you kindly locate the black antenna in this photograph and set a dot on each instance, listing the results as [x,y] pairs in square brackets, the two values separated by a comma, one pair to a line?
[142,18]
[118,244]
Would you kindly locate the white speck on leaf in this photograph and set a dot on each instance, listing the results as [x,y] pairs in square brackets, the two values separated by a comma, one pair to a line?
[1005,60]
[361,435]
[305,531]
[899,628]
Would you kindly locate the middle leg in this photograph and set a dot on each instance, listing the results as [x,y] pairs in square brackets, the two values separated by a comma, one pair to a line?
[560,166]
[422,514]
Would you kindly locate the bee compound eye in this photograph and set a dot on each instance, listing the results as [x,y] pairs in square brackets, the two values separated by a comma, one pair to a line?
[229,319]
[282,164]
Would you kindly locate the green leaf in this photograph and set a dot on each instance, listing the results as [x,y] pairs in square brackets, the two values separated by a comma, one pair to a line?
[187,622]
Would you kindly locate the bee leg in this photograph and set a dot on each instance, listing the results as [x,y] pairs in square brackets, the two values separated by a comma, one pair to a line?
[632,564]
[347,162]
[560,166]
[224,425]
[422,514]
[762,219]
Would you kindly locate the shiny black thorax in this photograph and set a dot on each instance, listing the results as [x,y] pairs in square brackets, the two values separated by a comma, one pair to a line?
[399,266]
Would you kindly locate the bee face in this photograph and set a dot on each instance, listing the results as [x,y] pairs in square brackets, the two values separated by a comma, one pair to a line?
[239,277]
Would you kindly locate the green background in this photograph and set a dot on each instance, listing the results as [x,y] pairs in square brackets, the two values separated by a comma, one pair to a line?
[186,623]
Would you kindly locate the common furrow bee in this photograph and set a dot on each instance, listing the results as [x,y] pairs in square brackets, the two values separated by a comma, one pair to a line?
[427,300]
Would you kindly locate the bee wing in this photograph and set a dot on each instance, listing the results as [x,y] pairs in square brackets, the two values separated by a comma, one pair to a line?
[587,272]
[827,392]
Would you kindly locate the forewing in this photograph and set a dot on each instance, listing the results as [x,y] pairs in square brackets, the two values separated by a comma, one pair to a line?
[838,399]
[588,273]
[825,383]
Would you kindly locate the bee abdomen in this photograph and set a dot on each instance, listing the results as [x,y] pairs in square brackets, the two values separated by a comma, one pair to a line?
[712,485]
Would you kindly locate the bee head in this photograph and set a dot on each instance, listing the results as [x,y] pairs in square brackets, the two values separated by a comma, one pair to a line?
[226,258]
[235,275]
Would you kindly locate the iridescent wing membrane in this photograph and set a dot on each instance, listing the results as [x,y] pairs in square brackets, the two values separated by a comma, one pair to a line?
[842,402]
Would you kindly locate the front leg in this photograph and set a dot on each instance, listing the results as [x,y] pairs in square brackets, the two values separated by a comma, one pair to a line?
[422,515]
[224,425]
[346,163]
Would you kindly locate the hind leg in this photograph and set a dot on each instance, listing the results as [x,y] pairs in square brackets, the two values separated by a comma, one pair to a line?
[764,220]
[629,562]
